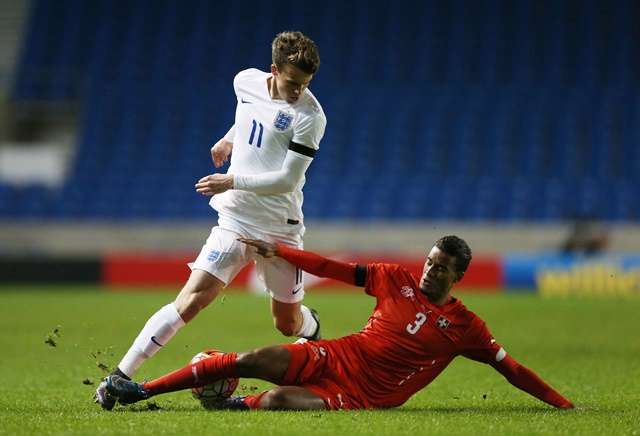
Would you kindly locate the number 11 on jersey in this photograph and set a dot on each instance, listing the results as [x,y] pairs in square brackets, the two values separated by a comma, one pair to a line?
[255,124]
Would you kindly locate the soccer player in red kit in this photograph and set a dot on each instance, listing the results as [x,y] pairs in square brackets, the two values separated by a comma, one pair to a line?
[417,328]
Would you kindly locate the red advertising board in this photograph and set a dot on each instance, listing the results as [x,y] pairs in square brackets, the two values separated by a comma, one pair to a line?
[171,270]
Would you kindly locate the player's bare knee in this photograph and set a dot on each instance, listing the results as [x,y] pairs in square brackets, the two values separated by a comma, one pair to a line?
[275,399]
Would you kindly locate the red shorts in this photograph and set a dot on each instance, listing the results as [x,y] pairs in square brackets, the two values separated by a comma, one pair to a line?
[318,367]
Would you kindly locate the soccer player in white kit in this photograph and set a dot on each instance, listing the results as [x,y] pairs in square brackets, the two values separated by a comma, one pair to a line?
[277,130]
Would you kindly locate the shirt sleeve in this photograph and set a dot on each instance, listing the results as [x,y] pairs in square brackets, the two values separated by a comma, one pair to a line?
[478,344]
[286,179]
[310,130]
[231,134]
[379,275]
[320,266]
[242,75]
[240,78]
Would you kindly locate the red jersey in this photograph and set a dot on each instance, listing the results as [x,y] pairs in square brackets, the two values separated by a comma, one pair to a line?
[406,343]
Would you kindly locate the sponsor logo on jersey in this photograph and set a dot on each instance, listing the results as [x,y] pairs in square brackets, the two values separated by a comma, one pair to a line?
[318,352]
[243,101]
[407,292]
[213,255]
[283,121]
[443,322]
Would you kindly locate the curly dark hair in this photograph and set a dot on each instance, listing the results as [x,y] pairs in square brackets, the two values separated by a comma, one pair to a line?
[457,247]
[296,49]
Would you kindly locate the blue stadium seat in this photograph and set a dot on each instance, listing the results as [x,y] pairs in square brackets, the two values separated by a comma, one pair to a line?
[518,112]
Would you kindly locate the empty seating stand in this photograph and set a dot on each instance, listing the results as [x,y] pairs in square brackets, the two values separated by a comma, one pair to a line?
[487,110]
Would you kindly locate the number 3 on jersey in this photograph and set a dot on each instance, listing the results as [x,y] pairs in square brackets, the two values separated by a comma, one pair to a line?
[415,326]
[255,124]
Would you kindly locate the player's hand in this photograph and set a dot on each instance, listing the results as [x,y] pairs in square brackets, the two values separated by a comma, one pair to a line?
[220,152]
[265,249]
[214,184]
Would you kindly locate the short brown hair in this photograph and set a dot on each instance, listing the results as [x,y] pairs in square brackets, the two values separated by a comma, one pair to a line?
[296,49]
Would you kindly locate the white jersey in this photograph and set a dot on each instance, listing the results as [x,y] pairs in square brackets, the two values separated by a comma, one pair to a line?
[263,132]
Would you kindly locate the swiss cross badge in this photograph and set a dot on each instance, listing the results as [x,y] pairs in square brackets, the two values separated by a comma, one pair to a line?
[443,322]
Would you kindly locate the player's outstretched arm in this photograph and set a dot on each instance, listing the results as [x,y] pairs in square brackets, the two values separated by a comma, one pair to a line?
[310,262]
[525,379]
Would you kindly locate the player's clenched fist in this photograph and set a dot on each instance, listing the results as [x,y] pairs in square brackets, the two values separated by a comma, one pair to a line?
[214,184]
[220,152]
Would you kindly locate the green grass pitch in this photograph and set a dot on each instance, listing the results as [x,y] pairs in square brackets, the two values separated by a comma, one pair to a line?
[588,349]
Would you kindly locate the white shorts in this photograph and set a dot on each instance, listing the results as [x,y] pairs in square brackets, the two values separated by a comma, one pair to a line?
[224,257]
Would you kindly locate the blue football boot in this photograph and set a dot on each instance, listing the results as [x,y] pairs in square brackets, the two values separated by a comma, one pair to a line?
[126,391]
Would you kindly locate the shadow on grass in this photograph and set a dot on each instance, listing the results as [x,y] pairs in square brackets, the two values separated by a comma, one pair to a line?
[461,410]
[483,410]
[164,406]
[506,409]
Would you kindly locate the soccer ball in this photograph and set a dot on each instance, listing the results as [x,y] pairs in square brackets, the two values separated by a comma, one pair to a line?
[209,395]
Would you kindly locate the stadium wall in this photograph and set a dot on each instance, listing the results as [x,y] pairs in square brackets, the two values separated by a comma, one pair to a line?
[545,273]
[521,257]
[94,238]
[153,270]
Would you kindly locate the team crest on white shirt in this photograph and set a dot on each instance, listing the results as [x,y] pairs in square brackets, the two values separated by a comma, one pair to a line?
[283,121]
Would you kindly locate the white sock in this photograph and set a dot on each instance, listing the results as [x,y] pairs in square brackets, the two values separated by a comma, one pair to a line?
[160,328]
[309,324]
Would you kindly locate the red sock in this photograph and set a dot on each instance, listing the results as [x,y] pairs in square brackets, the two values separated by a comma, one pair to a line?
[253,401]
[198,374]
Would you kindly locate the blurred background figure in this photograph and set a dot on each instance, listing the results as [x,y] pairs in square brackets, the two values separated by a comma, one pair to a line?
[586,237]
